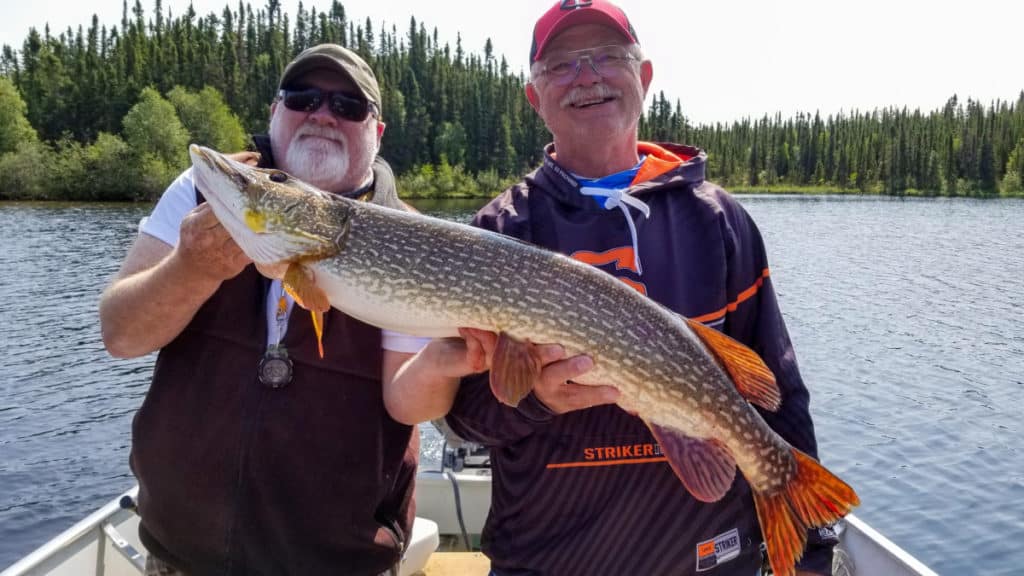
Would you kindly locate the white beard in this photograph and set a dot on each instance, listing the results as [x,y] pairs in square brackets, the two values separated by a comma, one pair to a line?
[317,155]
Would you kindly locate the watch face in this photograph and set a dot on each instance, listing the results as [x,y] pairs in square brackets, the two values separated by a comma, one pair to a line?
[275,368]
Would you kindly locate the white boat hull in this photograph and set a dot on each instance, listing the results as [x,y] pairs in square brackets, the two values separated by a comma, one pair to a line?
[106,543]
[868,552]
[448,504]
[88,548]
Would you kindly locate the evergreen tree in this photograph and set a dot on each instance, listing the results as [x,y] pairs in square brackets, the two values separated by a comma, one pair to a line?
[442,106]
[1013,182]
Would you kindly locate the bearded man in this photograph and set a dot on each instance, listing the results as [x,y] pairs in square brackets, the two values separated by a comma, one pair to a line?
[253,454]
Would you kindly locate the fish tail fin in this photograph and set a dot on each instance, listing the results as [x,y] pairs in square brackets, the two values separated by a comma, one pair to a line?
[813,497]
[818,496]
[784,534]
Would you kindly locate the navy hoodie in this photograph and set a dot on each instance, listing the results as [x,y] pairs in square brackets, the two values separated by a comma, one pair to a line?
[587,492]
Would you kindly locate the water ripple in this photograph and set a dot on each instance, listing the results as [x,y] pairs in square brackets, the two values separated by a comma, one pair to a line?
[905,317]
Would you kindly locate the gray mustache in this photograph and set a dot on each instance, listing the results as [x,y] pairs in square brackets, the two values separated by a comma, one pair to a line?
[321,131]
[586,93]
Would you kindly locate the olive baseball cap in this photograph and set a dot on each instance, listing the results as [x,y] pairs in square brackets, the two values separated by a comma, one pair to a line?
[338,59]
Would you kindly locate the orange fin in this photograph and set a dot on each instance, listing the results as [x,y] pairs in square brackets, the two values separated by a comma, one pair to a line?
[706,467]
[318,329]
[514,367]
[752,377]
[814,497]
[299,283]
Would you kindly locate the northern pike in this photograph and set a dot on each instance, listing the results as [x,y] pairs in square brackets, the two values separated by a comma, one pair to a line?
[692,385]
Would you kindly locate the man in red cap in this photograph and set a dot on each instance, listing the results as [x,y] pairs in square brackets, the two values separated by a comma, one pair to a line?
[570,494]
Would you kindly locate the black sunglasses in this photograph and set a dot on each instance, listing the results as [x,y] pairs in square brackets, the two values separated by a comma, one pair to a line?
[342,105]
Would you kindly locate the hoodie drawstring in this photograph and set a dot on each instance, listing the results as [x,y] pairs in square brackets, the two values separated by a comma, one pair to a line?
[617,198]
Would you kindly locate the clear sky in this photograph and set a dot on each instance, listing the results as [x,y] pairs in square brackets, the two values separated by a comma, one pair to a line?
[722,59]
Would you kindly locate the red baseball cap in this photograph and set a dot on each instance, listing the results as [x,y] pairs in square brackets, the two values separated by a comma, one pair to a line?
[568,13]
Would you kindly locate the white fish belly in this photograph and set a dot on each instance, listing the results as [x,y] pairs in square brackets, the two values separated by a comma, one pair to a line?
[380,310]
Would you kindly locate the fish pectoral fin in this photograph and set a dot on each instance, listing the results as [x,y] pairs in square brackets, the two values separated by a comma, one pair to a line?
[813,497]
[318,329]
[514,367]
[706,467]
[752,378]
[301,285]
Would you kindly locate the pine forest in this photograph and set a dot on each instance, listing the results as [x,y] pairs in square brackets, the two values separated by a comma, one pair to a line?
[106,112]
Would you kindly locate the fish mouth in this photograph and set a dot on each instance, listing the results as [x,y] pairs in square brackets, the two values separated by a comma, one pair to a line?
[234,192]
[209,165]
[213,173]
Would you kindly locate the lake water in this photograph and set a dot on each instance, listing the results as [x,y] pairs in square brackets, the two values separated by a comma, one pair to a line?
[906,317]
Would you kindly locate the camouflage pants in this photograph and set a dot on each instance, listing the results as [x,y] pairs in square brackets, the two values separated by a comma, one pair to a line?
[157,567]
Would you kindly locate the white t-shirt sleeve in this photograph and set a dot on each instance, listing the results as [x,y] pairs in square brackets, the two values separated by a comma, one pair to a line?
[165,221]
[398,342]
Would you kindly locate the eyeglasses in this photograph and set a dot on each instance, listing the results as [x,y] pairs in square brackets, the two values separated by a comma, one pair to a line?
[341,104]
[605,61]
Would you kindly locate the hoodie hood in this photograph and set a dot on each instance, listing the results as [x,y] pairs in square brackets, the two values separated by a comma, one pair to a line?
[666,165]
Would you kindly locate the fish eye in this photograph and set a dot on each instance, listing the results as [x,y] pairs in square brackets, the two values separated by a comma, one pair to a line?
[279,177]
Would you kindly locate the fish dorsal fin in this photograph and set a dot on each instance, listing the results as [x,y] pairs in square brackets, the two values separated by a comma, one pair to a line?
[706,467]
[752,377]
[301,285]
[514,367]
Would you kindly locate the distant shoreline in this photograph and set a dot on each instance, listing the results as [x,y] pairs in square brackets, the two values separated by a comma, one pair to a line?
[829,191]
[756,191]
[776,190]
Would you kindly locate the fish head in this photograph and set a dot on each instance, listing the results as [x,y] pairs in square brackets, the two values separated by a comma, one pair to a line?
[272,216]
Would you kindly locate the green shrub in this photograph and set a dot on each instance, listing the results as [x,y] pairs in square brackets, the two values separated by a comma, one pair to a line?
[26,173]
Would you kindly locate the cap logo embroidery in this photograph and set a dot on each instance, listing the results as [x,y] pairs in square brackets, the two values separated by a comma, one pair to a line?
[574,4]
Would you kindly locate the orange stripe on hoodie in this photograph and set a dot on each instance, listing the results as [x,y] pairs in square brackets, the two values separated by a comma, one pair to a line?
[731,307]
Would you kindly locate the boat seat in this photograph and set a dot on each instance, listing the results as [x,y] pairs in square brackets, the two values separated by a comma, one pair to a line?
[424,541]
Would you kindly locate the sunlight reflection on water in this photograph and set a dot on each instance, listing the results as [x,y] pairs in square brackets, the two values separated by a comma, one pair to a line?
[904,314]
